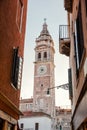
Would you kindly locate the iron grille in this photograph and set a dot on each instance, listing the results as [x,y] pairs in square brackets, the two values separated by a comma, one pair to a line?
[64,32]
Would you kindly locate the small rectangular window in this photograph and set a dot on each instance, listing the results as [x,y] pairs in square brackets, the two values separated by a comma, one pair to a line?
[39,56]
[21,125]
[36,126]
[19,15]
[45,54]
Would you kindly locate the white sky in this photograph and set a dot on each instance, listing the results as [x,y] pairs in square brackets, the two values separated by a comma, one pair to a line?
[53,11]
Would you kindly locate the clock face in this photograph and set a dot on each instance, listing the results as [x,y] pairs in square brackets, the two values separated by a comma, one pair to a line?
[42,69]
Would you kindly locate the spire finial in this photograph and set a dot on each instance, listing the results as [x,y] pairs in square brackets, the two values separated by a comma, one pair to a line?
[45,20]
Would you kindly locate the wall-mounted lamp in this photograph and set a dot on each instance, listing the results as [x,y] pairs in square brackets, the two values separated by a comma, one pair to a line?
[63,86]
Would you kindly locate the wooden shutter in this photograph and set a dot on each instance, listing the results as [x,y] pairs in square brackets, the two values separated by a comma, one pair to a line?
[15,67]
[70,83]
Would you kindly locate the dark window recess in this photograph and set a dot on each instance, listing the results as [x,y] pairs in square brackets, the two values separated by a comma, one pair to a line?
[41,85]
[39,55]
[21,125]
[1,123]
[45,54]
[79,41]
[16,69]
[86,7]
[60,127]
[70,83]
[36,126]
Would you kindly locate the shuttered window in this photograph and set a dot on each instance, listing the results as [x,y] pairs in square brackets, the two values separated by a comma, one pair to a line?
[70,83]
[16,69]
[78,39]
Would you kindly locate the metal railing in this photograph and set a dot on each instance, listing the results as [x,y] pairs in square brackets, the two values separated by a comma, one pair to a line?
[64,32]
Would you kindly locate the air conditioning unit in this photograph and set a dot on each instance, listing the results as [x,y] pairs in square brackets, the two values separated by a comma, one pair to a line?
[85,67]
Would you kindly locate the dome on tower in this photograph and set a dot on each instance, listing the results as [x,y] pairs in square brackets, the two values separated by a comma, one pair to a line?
[44,34]
[44,30]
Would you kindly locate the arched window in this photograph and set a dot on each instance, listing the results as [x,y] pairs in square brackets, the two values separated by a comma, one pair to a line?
[39,56]
[45,54]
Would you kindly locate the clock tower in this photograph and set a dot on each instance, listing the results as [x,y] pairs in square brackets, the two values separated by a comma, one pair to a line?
[44,73]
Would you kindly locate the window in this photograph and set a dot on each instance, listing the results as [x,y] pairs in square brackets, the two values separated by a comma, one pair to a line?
[16,69]
[86,7]
[36,126]
[39,56]
[70,83]
[1,124]
[21,125]
[14,76]
[19,14]
[78,39]
[41,85]
[45,54]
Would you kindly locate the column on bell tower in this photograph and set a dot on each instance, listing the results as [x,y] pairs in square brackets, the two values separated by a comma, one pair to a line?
[44,73]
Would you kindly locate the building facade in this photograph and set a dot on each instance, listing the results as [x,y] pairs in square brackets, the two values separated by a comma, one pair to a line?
[44,73]
[63,118]
[12,34]
[26,105]
[73,43]
[33,120]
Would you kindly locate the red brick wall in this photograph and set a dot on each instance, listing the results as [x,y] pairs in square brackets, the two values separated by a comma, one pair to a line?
[10,37]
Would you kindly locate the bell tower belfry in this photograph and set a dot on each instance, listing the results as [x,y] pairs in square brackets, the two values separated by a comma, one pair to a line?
[44,73]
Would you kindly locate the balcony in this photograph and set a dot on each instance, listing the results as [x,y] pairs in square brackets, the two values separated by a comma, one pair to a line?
[68,5]
[64,39]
